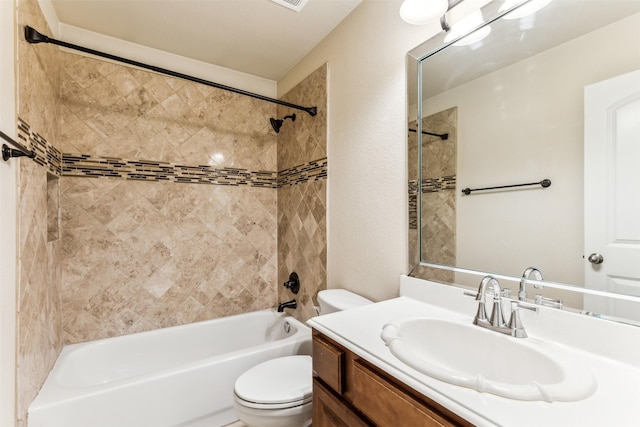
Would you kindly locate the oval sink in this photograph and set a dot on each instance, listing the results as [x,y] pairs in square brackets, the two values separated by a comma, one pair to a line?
[486,361]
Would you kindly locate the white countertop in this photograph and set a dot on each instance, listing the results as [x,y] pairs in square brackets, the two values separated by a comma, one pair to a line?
[609,350]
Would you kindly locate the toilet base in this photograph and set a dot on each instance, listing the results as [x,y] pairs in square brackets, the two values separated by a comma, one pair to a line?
[298,416]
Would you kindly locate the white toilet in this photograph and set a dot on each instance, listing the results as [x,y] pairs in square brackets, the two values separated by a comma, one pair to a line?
[277,393]
[332,300]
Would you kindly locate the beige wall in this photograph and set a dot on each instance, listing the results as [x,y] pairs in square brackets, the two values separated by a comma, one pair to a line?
[8,211]
[366,145]
[503,233]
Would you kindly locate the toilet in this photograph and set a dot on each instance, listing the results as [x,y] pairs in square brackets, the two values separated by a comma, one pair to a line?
[277,393]
[332,300]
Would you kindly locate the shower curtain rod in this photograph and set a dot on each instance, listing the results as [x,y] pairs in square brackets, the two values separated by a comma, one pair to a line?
[443,136]
[19,151]
[33,36]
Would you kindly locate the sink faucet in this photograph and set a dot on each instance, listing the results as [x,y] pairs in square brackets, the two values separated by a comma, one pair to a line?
[496,322]
[522,292]
[497,318]
[539,300]
[288,304]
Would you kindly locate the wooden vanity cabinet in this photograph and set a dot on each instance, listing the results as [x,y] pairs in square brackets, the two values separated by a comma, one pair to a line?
[350,392]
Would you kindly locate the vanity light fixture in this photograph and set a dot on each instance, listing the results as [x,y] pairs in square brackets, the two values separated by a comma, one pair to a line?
[464,26]
[527,9]
[421,12]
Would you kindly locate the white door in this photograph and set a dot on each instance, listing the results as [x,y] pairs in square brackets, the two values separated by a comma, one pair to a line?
[612,193]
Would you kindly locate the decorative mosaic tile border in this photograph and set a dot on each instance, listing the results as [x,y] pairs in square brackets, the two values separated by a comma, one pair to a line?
[46,154]
[429,185]
[314,170]
[413,211]
[84,165]
[433,185]
[145,170]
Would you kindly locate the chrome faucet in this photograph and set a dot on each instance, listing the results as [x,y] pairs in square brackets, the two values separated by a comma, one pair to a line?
[522,292]
[539,300]
[496,322]
[497,318]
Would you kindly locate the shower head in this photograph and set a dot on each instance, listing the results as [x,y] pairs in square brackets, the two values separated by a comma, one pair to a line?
[277,123]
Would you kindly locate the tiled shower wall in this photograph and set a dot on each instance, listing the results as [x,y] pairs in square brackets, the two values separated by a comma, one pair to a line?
[153,202]
[39,318]
[302,221]
[438,187]
[180,223]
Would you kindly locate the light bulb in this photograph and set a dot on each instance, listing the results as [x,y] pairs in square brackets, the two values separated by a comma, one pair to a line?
[526,9]
[420,12]
[466,24]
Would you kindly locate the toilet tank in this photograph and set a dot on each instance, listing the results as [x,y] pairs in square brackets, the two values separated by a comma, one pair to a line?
[332,300]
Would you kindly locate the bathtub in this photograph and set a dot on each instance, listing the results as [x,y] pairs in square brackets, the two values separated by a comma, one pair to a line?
[180,376]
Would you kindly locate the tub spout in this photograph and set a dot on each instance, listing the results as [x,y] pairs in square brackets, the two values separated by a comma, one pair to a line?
[288,304]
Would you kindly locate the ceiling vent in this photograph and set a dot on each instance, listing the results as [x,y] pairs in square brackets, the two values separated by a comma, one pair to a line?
[296,5]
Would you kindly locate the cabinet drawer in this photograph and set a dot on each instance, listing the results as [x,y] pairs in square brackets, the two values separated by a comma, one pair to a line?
[328,363]
[385,404]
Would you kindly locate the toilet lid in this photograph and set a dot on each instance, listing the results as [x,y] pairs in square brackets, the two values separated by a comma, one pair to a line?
[277,381]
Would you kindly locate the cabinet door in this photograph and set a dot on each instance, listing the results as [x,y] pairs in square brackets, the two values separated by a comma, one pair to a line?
[329,411]
[387,405]
[328,363]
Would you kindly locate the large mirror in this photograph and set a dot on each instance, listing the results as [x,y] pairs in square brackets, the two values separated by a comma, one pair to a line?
[552,96]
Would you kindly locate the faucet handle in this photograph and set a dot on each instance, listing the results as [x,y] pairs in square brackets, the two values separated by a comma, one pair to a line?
[504,293]
[293,283]
[497,318]
[548,302]
[515,324]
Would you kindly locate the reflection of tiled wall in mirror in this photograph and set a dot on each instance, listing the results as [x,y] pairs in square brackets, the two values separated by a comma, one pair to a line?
[438,210]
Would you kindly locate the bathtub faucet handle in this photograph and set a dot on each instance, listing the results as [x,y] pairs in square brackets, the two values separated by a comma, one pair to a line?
[288,304]
[293,283]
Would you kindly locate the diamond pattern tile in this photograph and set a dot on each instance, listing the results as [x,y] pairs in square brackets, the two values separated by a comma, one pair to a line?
[302,236]
[156,244]
[132,255]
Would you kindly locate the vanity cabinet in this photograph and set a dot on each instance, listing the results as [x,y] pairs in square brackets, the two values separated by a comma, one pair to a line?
[350,392]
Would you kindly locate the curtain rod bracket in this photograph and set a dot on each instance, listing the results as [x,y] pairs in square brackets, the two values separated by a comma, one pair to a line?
[33,36]
[8,153]
[19,151]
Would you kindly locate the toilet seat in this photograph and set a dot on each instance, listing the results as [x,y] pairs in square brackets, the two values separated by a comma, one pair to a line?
[284,382]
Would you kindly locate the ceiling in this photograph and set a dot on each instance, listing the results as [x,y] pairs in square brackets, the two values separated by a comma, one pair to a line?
[258,37]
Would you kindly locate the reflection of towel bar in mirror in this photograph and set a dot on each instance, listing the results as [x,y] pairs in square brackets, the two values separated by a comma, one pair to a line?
[544,184]
[442,136]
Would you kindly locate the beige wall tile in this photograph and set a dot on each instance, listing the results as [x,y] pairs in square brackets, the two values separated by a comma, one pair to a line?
[165,252]
[135,256]
[302,235]
[39,319]
[438,210]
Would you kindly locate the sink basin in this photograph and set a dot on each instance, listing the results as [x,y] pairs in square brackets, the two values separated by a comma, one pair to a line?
[487,361]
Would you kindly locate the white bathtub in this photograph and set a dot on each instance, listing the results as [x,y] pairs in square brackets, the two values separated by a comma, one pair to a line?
[181,376]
